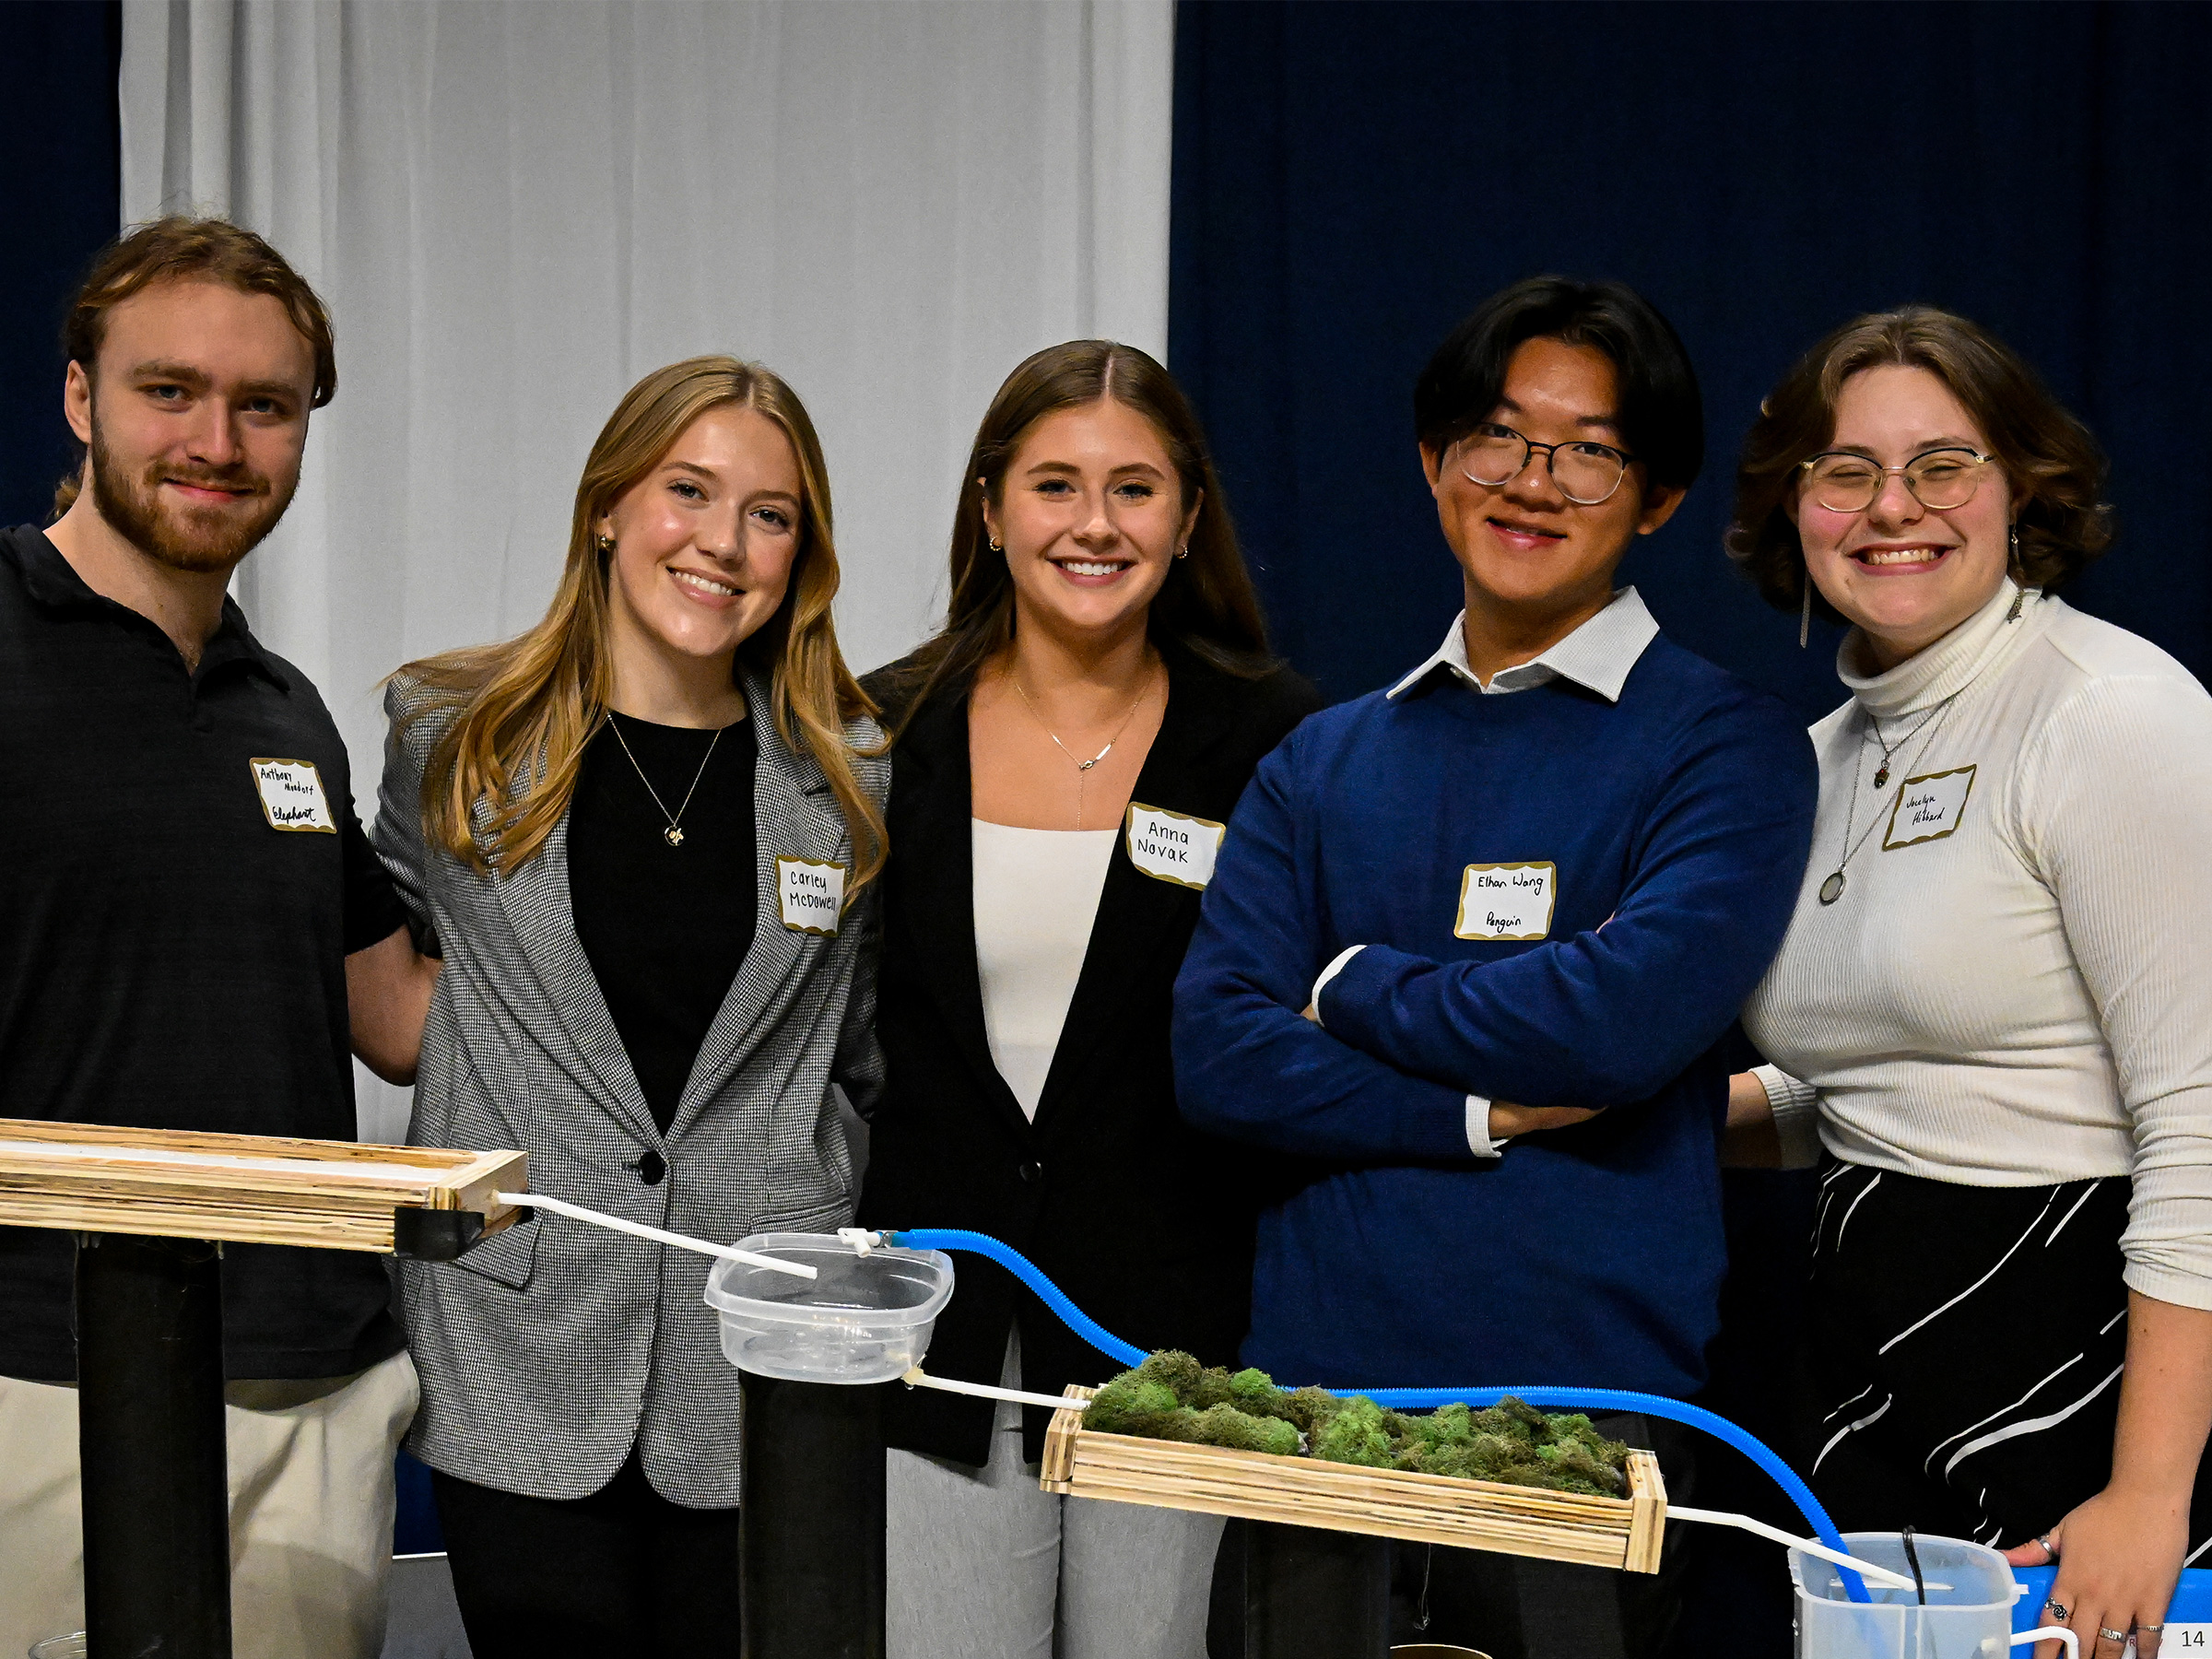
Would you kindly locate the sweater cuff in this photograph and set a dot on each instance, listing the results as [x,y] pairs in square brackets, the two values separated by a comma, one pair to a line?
[1334,968]
[1796,1108]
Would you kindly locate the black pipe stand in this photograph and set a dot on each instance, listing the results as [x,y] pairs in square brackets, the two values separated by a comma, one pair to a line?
[1314,1594]
[810,1520]
[149,1346]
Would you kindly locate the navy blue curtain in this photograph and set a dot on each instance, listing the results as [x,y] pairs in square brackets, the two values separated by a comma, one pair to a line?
[61,189]
[1350,178]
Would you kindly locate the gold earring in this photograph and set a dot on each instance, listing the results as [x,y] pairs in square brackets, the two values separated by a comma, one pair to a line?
[994,546]
[604,544]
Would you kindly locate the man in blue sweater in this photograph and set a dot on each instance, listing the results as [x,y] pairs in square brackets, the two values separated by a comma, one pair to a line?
[1471,941]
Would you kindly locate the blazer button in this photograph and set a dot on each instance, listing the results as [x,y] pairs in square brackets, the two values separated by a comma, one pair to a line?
[1031,1172]
[650,1168]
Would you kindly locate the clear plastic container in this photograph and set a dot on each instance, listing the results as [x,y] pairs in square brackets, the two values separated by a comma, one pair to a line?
[1969,1613]
[865,1318]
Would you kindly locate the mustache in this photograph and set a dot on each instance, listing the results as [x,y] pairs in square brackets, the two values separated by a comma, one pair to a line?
[238,479]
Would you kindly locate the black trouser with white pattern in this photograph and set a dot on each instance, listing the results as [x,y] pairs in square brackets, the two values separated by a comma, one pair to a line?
[1965,1354]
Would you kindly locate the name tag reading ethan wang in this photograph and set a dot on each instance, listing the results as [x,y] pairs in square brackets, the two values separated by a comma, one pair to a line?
[1928,808]
[1506,900]
[813,895]
[292,796]
[1173,846]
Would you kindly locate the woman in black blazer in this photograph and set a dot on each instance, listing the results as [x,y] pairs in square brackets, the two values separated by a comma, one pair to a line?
[1067,754]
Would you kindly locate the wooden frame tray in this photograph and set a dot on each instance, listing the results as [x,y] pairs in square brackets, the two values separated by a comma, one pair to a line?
[242,1188]
[1391,1503]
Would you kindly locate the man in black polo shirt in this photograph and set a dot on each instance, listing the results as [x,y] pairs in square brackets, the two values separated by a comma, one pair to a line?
[185,897]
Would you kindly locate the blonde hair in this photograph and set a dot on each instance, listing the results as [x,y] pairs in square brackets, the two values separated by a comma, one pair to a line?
[529,705]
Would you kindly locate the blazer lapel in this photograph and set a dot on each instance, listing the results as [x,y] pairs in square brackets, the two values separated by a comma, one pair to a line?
[933,889]
[536,899]
[1137,909]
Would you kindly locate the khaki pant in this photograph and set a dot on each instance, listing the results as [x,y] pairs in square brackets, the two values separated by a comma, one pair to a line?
[311,1512]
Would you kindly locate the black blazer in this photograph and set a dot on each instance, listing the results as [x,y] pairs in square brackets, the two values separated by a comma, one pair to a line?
[1146,1224]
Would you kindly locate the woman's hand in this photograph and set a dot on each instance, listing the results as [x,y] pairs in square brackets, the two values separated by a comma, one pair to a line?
[2119,1557]
[1750,1140]
[2120,1554]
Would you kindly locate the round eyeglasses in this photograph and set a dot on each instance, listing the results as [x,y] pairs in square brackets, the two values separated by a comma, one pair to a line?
[1586,473]
[1939,480]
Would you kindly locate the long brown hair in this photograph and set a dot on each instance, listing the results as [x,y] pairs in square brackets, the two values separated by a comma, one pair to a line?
[2046,453]
[1207,604]
[529,705]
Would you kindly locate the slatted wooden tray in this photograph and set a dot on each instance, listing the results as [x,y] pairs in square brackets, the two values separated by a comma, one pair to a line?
[1391,1503]
[242,1188]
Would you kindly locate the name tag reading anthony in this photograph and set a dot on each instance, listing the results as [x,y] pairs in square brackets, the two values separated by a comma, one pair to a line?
[1506,900]
[1928,808]
[1173,846]
[813,895]
[292,796]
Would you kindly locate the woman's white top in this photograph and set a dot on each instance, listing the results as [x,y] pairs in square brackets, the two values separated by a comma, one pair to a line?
[1036,897]
[2014,987]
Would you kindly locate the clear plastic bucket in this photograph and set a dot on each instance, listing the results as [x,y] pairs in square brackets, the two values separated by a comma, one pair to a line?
[863,1319]
[1969,1613]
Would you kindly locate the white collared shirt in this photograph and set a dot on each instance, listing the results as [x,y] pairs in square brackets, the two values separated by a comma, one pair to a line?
[1598,657]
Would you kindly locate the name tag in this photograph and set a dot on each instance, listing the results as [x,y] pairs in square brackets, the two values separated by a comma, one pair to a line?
[292,796]
[1928,808]
[1173,846]
[1506,900]
[812,895]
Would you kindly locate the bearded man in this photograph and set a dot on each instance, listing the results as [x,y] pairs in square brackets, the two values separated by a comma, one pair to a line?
[185,899]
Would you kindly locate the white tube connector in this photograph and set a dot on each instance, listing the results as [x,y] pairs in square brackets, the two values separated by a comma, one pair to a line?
[918,1378]
[1812,1546]
[860,1239]
[638,1229]
[2055,1634]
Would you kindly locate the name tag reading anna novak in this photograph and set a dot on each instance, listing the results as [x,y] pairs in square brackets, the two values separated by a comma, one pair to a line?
[1506,900]
[292,796]
[1173,846]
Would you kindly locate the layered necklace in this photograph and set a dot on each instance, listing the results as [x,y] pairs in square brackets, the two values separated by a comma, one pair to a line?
[674,833]
[1081,765]
[1832,889]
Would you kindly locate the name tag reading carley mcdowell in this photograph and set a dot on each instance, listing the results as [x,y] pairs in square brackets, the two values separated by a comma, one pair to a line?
[812,895]
[1173,846]
[1506,900]
[292,796]
[1928,808]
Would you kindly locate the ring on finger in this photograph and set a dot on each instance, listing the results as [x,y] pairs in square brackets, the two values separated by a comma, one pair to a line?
[2050,1548]
[2059,1609]
[2109,1634]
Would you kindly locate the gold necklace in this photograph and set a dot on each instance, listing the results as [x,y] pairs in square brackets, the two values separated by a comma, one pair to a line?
[1082,766]
[674,834]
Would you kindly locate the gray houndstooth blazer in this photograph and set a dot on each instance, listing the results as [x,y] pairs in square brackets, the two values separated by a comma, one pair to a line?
[548,1350]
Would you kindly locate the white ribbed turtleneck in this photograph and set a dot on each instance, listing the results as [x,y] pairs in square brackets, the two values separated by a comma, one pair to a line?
[2029,998]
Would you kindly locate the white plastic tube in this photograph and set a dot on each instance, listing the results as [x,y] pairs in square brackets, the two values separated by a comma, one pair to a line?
[918,1378]
[2053,1633]
[638,1229]
[1812,1546]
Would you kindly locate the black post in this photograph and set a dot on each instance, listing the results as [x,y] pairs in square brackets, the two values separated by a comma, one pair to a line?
[1314,1594]
[810,1520]
[149,1346]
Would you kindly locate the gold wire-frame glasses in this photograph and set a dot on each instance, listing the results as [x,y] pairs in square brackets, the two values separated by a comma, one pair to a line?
[1939,480]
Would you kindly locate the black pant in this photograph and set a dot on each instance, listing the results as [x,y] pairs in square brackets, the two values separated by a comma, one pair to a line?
[1965,1354]
[624,1572]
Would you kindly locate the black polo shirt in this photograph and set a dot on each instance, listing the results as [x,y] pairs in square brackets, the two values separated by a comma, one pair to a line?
[174,919]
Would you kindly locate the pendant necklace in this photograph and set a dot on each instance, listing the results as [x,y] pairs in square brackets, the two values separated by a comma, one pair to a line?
[1832,889]
[1874,724]
[1082,766]
[674,834]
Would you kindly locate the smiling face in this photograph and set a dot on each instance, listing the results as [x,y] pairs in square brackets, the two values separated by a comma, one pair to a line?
[1905,574]
[1528,553]
[195,417]
[705,541]
[1090,515]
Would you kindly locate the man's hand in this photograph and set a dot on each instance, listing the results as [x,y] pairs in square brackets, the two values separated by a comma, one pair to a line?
[1507,1119]
[388,988]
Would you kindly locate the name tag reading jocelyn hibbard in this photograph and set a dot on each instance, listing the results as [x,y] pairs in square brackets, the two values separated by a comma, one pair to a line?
[1928,808]
[1506,900]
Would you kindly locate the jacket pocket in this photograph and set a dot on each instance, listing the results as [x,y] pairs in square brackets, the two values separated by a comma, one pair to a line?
[508,1257]
[823,1218]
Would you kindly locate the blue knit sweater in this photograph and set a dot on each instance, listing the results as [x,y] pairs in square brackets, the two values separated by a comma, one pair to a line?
[1676,822]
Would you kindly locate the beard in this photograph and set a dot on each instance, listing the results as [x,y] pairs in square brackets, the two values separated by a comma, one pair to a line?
[203,540]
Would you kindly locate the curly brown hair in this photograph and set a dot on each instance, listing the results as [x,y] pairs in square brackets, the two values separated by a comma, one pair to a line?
[2046,452]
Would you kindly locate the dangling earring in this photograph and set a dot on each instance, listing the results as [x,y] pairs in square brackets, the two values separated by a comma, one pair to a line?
[1805,612]
[2019,577]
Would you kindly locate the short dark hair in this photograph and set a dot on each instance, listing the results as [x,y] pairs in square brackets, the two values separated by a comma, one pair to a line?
[178,249]
[2042,448]
[1662,415]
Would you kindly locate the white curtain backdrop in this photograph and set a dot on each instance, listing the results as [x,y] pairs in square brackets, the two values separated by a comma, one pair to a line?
[516,207]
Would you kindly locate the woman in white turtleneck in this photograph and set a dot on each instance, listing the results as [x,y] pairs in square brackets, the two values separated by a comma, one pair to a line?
[1992,1018]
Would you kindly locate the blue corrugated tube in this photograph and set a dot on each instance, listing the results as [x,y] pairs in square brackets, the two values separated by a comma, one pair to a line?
[1421,1399]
